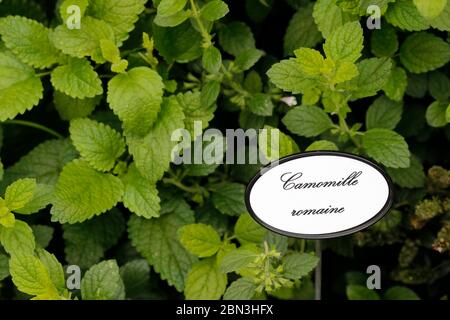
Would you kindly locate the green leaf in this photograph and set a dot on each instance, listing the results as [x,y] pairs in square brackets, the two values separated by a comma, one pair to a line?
[83,42]
[389,223]
[19,239]
[137,108]
[400,293]
[422,52]
[241,289]
[153,153]
[54,268]
[297,265]
[111,53]
[31,276]
[205,281]
[404,15]
[349,5]
[274,149]
[357,292]
[310,61]
[29,40]
[212,59]
[442,22]
[247,59]
[345,43]
[195,110]
[260,104]
[43,163]
[373,75]
[7,218]
[384,113]
[1,170]
[236,37]
[72,108]
[301,32]
[136,276]
[43,234]
[214,10]
[86,243]
[77,79]
[396,86]
[387,147]
[170,7]
[411,177]
[120,14]
[439,86]
[307,121]
[209,215]
[247,230]
[258,10]
[322,145]
[157,241]
[42,197]
[277,242]
[417,85]
[344,71]
[289,76]
[98,144]
[383,4]
[228,198]
[103,282]
[4,268]
[141,196]
[82,193]
[19,193]
[430,9]
[436,114]
[237,259]
[249,120]
[182,43]
[447,114]
[210,93]
[328,16]
[173,20]
[200,239]
[384,41]
[20,88]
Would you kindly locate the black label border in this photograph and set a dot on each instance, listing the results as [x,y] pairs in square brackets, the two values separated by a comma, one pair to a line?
[387,206]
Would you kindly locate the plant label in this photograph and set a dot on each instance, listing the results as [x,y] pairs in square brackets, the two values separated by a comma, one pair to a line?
[319,195]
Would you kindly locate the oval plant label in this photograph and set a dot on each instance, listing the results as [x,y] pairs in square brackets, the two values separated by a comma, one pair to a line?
[319,195]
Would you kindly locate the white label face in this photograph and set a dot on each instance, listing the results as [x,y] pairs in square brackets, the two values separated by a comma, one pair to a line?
[319,195]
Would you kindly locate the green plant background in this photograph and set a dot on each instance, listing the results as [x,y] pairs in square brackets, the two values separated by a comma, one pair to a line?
[86,117]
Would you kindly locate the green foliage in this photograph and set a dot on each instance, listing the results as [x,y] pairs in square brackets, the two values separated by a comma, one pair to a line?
[106,195]
[21,90]
[103,282]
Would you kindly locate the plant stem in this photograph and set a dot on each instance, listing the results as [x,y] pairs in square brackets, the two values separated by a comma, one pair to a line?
[318,273]
[205,34]
[35,126]
[233,84]
[302,245]
[344,127]
[43,74]
[150,10]
[180,185]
